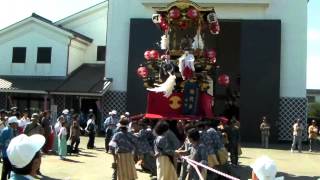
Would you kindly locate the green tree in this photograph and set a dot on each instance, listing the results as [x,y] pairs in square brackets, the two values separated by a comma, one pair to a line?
[314,110]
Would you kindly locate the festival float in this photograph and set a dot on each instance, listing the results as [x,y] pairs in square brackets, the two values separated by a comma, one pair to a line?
[181,74]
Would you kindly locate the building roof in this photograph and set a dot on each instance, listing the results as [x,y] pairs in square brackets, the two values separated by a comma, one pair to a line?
[37,18]
[94,8]
[88,79]
[313,91]
[23,84]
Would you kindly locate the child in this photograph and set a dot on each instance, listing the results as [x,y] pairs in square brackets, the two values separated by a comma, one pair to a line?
[62,141]
[196,152]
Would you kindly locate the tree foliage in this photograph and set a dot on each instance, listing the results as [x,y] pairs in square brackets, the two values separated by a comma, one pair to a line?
[314,110]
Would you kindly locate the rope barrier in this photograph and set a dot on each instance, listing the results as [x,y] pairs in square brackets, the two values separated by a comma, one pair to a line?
[195,163]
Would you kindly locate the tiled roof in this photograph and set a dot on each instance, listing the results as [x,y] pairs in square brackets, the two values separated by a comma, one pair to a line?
[76,34]
[87,79]
[10,83]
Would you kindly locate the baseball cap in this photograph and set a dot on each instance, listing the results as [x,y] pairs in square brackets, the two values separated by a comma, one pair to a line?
[265,168]
[12,119]
[66,111]
[114,112]
[23,148]
[34,116]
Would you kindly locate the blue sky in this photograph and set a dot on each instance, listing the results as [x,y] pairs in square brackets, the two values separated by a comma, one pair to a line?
[12,11]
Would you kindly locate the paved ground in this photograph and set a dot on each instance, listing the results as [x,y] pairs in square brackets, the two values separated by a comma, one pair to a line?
[96,164]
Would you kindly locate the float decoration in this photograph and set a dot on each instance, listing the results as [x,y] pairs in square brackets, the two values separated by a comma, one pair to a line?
[178,75]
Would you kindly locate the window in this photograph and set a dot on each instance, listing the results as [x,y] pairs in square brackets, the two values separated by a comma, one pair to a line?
[19,54]
[101,53]
[44,55]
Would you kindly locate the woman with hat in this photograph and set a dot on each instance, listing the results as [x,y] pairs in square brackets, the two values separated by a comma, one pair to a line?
[264,168]
[25,156]
[125,144]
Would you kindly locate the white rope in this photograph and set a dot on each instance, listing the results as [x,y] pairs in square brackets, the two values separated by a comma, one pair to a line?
[192,162]
[196,168]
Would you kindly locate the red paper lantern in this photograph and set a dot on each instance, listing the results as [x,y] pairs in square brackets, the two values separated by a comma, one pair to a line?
[164,26]
[192,13]
[215,28]
[147,55]
[154,54]
[142,72]
[211,54]
[174,13]
[183,25]
[223,80]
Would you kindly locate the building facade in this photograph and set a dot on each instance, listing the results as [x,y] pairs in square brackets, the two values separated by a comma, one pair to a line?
[55,65]
[283,21]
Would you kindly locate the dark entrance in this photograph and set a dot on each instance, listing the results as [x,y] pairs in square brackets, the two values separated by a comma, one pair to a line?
[86,105]
[247,50]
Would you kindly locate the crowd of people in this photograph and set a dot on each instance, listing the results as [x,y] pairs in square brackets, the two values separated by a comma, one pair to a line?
[159,145]
[297,134]
[61,136]
[156,145]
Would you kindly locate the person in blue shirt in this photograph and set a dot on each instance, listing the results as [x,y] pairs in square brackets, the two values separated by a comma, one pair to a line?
[110,125]
[125,144]
[197,152]
[6,135]
[164,152]
[146,139]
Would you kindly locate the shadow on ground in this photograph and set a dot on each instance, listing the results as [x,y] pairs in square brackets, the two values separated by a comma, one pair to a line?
[71,160]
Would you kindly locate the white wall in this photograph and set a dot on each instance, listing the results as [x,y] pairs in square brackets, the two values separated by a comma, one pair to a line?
[120,12]
[293,15]
[76,55]
[33,36]
[93,25]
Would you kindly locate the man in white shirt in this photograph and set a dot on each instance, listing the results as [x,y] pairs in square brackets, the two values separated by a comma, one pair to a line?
[297,135]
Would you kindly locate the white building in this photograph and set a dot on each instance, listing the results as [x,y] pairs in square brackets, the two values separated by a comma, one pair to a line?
[289,17]
[59,63]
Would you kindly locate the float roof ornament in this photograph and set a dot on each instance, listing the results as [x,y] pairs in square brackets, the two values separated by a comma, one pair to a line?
[183,4]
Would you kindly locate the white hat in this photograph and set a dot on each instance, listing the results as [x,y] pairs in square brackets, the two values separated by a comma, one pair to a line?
[265,168]
[23,148]
[110,113]
[90,110]
[114,112]
[66,111]
[127,114]
[12,119]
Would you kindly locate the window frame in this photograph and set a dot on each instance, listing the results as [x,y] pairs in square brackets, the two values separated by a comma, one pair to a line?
[14,59]
[41,61]
[101,57]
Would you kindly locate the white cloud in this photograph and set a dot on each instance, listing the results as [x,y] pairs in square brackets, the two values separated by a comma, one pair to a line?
[313,80]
